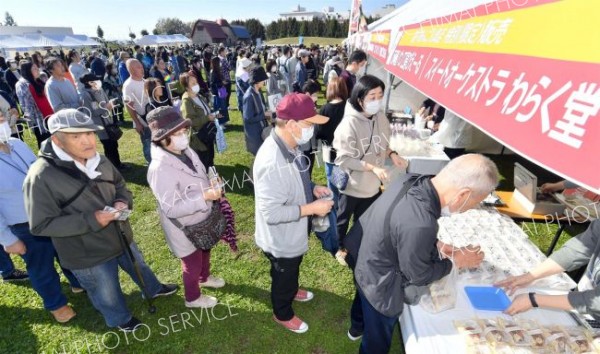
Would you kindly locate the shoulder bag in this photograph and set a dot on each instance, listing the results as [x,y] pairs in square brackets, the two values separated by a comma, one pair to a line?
[205,234]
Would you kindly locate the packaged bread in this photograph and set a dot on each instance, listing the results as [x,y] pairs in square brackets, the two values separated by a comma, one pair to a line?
[494,333]
[470,331]
[518,334]
[557,339]
[579,341]
[535,332]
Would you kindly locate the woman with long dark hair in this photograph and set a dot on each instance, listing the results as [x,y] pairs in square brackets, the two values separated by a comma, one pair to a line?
[160,72]
[196,72]
[33,100]
[216,84]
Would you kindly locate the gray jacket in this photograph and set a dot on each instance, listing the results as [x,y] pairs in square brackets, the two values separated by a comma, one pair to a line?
[577,252]
[279,193]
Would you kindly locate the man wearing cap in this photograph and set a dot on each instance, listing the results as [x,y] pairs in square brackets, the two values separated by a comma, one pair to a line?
[254,114]
[286,200]
[66,191]
[301,72]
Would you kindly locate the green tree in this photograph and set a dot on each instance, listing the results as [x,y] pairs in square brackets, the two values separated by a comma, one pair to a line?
[99,32]
[155,31]
[144,32]
[172,26]
[9,20]
[303,30]
[255,28]
[132,35]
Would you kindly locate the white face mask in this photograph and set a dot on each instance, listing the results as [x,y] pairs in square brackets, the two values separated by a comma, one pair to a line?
[114,71]
[98,84]
[307,134]
[373,107]
[274,69]
[196,88]
[180,142]
[446,209]
[361,71]
[5,132]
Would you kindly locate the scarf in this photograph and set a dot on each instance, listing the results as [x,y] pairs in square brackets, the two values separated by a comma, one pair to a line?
[90,166]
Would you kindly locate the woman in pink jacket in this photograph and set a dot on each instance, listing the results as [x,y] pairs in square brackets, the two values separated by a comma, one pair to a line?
[180,184]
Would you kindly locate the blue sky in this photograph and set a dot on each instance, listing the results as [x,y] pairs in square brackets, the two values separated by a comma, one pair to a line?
[117,16]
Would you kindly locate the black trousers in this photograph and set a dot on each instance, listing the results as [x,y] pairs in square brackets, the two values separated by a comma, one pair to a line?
[207,157]
[349,207]
[454,153]
[111,151]
[39,136]
[284,285]
[228,88]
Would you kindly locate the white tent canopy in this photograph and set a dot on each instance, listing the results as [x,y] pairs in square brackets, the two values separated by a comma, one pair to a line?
[35,41]
[166,39]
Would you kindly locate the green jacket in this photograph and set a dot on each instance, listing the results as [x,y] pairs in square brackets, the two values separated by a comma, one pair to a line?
[54,209]
[190,110]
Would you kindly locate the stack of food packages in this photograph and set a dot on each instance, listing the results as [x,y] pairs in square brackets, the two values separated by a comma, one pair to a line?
[409,141]
[507,335]
[507,248]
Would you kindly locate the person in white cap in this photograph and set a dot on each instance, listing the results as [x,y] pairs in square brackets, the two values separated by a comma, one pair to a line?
[67,191]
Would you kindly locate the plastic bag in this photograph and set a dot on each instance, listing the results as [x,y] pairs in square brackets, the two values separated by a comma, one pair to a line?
[220,138]
[441,294]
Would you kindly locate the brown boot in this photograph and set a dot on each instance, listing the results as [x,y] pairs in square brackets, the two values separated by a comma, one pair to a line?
[63,314]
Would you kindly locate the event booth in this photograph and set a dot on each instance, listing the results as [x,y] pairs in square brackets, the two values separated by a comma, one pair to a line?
[9,44]
[526,75]
[166,39]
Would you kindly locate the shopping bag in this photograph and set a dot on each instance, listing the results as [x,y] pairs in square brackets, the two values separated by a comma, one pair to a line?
[220,138]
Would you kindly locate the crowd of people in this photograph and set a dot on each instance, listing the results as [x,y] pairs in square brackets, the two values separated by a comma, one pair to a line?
[70,204]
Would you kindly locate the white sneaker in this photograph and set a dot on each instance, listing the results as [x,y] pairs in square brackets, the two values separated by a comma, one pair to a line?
[204,301]
[213,282]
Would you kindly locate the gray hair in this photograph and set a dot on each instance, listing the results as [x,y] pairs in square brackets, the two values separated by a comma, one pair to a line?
[473,171]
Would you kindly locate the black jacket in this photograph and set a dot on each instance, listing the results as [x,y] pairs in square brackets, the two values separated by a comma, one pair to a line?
[56,209]
[407,254]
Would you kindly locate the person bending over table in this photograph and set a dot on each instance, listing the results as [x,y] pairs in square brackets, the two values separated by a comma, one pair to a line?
[580,250]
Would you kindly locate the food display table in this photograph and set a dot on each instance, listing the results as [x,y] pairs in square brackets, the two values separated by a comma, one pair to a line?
[508,251]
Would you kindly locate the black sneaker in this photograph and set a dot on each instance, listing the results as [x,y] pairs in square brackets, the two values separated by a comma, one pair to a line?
[131,325]
[16,275]
[166,290]
[354,334]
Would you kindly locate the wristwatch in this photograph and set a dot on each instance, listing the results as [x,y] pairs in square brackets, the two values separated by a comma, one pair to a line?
[532,299]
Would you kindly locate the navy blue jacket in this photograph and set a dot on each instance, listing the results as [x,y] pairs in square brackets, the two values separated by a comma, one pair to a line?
[253,114]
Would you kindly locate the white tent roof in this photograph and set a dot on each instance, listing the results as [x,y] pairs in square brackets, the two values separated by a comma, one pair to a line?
[40,41]
[163,39]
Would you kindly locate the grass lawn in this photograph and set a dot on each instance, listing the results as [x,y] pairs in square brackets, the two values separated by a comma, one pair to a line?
[242,325]
[322,41]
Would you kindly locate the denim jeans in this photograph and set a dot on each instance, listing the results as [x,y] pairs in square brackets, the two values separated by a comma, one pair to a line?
[377,336]
[104,290]
[146,137]
[219,105]
[6,264]
[39,260]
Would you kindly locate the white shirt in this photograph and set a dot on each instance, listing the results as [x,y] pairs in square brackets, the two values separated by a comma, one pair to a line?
[133,92]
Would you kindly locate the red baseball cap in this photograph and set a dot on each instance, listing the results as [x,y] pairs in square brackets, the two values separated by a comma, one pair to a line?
[297,106]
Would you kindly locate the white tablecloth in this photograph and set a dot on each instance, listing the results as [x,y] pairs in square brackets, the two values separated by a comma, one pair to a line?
[424,332]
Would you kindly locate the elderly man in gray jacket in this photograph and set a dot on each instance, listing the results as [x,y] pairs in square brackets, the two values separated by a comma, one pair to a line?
[285,204]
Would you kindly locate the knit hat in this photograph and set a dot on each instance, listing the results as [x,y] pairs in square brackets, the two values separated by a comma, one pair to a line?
[257,74]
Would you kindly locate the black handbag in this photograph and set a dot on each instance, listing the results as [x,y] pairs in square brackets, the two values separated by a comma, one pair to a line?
[205,234]
[113,131]
[208,133]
